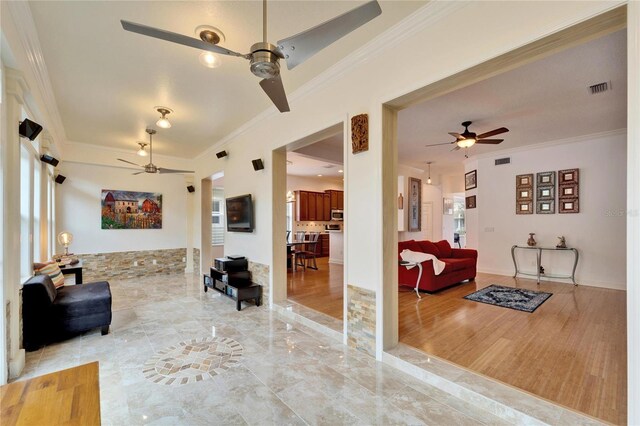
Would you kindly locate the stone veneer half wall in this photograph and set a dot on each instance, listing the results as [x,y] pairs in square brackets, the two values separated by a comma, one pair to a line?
[361,319]
[119,265]
[260,275]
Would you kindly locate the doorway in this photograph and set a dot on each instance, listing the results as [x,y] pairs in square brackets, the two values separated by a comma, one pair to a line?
[569,301]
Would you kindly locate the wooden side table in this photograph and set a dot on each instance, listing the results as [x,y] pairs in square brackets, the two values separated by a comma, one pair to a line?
[75,269]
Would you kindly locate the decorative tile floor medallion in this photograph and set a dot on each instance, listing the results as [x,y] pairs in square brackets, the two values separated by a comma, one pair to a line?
[192,361]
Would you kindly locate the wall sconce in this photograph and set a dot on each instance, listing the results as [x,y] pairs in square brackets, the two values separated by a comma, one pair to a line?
[400,202]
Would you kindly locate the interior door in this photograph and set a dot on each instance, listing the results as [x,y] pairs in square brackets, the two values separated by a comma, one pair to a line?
[427,219]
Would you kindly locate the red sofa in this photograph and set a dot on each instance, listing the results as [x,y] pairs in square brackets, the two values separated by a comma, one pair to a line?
[460,265]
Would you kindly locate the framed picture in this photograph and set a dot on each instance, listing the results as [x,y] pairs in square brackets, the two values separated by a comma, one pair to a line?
[415,201]
[546,207]
[546,178]
[470,202]
[524,180]
[569,190]
[447,206]
[471,180]
[525,194]
[569,205]
[568,176]
[546,192]
[131,209]
[524,207]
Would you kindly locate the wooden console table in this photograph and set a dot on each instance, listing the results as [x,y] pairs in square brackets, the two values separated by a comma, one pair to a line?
[539,250]
[67,397]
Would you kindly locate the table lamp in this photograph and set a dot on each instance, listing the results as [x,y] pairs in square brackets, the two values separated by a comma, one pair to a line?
[65,238]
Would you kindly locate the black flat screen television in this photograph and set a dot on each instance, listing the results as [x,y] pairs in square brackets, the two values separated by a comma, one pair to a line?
[240,214]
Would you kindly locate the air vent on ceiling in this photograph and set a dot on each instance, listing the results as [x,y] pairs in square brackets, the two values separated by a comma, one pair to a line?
[505,160]
[600,87]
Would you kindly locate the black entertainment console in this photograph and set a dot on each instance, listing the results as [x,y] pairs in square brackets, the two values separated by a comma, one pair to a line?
[231,278]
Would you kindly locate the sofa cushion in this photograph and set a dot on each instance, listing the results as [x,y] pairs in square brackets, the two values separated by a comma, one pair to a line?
[444,247]
[52,269]
[427,246]
[408,245]
[457,264]
[83,299]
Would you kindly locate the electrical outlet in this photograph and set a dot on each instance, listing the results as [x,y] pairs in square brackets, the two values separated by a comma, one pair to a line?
[154,262]
[135,263]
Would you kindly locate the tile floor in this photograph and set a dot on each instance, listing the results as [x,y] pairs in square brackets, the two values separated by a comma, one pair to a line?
[287,374]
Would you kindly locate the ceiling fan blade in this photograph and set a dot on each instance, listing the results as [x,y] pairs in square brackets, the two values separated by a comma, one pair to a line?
[302,46]
[456,135]
[438,144]
[493,133]
[490,141]
[457,147]
[137,173]
[163,171]
[125,161]
[275,90]
[176,38]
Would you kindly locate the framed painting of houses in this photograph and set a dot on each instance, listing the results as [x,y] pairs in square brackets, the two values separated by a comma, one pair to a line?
[131,210]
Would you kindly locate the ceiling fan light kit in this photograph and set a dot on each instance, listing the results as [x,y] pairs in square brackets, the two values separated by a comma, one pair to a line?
[163,121]
[264,57]
[467,139]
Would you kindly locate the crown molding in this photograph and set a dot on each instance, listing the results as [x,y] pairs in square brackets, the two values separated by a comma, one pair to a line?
[425,16]
[26,29]
[549,144]
[80,145]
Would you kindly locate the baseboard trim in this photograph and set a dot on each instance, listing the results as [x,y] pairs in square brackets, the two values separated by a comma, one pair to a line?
[587,283]
[16,364]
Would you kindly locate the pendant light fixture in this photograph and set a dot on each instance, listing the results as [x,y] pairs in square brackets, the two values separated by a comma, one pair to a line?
[163,121]
[429,172]
[142,152]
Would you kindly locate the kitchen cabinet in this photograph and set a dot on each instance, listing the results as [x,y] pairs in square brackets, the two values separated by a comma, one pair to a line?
[327,206]
[313,198]
[336,199]
[302,205]
[317,206]
[320,207]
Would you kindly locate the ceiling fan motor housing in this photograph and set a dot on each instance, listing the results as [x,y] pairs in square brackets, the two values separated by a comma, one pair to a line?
[265,60]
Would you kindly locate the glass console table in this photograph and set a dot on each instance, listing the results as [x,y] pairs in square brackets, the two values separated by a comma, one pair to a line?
[571,277]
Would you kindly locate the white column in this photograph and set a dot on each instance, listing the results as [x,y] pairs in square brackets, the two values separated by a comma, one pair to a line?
[633,207]
[45,144]
[188,180]
[15,87]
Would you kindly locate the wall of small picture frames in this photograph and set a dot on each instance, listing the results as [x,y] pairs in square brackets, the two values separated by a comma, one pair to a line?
[544,195]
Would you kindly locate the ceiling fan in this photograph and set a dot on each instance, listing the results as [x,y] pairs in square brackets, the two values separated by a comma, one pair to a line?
[467,139]
[152,168]
[264,56]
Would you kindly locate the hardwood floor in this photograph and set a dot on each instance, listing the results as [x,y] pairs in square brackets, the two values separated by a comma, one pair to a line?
[67,397]
[321,290]
[571,350]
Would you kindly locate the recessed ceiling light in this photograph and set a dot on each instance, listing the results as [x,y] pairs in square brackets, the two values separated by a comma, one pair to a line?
[340,171]
[319,175]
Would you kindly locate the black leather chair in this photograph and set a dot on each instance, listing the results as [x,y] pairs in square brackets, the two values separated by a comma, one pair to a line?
[50,314]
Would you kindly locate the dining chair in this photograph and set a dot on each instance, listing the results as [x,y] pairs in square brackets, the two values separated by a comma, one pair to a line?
[309,252]
[288,233]
[298,259]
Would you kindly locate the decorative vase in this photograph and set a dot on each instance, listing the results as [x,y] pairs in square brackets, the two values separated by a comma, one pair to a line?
[531,242]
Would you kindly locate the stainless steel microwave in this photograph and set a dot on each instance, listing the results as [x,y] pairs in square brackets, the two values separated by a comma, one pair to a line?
[337,214]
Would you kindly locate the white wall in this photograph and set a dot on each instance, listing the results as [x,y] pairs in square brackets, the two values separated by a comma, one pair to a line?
[79,207]
[598,231]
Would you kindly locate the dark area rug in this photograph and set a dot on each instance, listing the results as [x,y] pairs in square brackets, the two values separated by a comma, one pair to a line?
[509,297]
